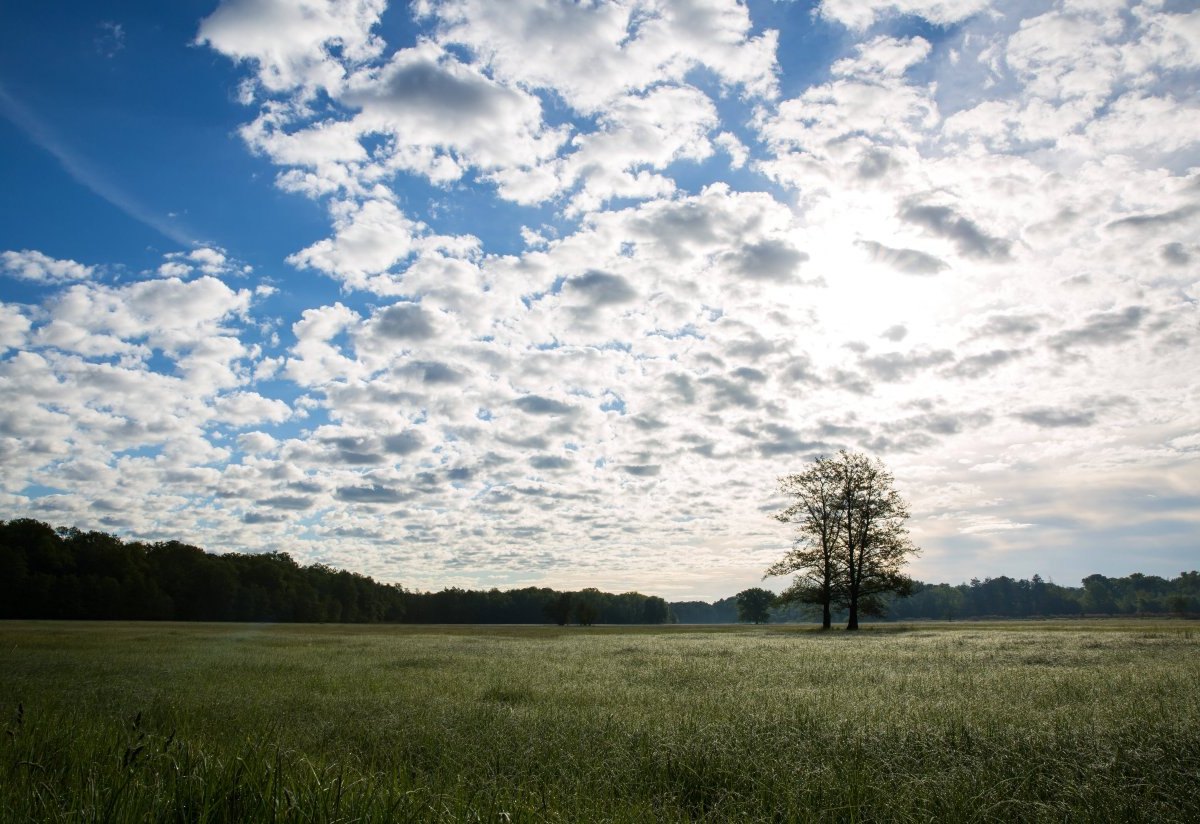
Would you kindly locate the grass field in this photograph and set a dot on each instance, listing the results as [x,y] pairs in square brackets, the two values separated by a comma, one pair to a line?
[1070,721]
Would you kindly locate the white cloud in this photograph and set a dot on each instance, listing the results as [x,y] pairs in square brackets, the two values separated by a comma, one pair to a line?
[248,408]
[315,359]
[1123,127]
[29,264]
[257,442]
[976,525]
[594,54]
[206,260]
[321,146]
[14,326]
[442,116]
[861,14]
[370,239]
[210,261]
[293,43]
[737,151]
[169,314]
[1088,79]
[426,98]
[867,97]
[637,133]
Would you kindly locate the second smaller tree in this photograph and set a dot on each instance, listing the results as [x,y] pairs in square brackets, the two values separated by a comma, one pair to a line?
[754,605]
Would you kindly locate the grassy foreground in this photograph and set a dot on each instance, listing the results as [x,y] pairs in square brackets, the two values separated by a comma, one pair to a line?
[1085,721]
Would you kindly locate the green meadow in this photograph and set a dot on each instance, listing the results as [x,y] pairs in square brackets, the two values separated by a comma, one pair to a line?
[1039,721]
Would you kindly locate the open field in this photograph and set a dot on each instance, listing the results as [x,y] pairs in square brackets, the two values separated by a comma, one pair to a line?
[1047,721]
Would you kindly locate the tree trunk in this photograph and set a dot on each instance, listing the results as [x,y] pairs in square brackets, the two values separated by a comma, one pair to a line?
[826,617]
[852,623]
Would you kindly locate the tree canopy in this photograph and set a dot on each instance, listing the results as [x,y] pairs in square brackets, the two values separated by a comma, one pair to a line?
[754,605]
[850,536]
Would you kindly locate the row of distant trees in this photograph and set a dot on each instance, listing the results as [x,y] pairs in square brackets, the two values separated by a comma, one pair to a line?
[1002,597]
[69,573]
[1135,594]
[534,605]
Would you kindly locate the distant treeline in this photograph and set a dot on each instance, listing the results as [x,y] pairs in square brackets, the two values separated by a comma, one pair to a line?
[1004,597]
[1001,597]
[68,573]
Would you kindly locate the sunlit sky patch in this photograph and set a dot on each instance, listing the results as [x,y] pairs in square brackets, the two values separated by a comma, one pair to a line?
[493,294]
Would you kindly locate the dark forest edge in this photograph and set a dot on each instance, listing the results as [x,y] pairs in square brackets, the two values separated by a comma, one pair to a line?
[71,574]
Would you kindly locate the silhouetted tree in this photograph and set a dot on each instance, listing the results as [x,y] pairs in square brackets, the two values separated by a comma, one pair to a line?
[585,613]
[851,539]
[723,611]
[875,539]
[754,605]
[817,495]
[559,609]
[655,611]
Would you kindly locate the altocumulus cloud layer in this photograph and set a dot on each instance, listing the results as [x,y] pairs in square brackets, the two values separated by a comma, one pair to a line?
[967,243]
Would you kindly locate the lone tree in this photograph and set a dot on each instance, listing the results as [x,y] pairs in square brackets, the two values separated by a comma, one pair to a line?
[754,605]
[851,539]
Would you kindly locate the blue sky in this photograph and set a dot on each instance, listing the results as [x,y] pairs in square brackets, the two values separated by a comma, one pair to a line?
[462,293]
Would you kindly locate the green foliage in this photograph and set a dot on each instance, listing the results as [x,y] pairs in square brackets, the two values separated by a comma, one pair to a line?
[558,609]
[1005,597]
[754,605]
[72,574]
[655,610]
[723,611]
[1068,721]
[75,574]
[585,613]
